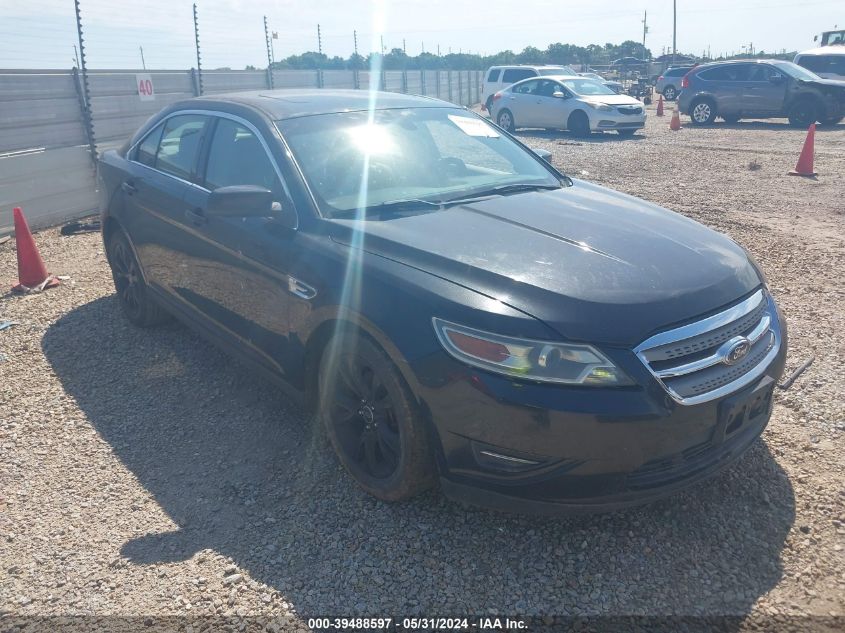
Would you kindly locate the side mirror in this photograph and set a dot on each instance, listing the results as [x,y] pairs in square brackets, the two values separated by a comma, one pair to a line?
[240,201]
[559,95]
[544,154]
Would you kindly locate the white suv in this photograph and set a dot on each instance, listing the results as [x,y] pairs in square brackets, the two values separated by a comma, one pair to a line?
[499,77]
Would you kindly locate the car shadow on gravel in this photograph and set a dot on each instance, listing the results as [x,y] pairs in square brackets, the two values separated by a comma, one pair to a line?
[242,471]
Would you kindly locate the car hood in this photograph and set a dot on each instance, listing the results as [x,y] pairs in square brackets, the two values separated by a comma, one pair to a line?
[594,264]
[615,100]
[835,83]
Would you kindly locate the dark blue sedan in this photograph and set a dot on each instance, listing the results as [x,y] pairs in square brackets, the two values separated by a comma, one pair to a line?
[454,308]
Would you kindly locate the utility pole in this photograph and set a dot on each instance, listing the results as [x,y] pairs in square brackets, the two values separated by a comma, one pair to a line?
[382,45]
[143,63]
[674,30]
[438,50]
[403,46]
[320,58]
[645,29]
[319,41]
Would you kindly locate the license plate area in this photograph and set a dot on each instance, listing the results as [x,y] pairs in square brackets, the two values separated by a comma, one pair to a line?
[743,410]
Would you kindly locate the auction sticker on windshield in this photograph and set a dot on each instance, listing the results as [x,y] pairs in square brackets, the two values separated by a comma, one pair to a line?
[473,127]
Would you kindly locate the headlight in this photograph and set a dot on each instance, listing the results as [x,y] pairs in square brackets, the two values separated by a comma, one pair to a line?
[542,361]
[599,106]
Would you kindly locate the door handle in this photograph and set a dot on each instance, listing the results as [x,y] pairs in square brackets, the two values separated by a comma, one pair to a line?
[300,289]
[128,187]
[196,216]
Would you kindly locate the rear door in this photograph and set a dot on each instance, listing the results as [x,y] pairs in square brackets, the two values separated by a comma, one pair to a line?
[728,86]
[766,91]
[523,101]
[162,172]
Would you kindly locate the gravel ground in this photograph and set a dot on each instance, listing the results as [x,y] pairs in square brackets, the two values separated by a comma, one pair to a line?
[144,473]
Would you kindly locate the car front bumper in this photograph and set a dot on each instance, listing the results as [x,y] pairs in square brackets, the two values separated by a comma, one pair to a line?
[600,121]
[547,449]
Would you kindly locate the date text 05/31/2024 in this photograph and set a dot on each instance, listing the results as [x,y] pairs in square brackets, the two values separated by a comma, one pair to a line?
[486,623]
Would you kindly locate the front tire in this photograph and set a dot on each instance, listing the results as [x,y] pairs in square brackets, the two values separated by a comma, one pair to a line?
[803,113]
[489,105]
[579,124]
[505,120]
[132,291]
[702,112]
[669,93]
[834,121]
[372,421]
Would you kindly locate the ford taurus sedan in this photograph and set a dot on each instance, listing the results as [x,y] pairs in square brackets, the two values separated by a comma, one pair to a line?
[454,308]
[578,104]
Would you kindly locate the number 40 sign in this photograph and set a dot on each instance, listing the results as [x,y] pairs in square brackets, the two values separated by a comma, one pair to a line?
[144,83]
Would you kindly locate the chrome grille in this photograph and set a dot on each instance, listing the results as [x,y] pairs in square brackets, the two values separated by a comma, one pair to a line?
[695,363]
[630,109]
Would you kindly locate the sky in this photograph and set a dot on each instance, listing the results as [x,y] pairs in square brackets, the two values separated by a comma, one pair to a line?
[41,33]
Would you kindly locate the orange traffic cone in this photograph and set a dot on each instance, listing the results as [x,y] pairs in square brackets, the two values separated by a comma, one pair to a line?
[32,275]
[675,123]
[805,160]
[660,106]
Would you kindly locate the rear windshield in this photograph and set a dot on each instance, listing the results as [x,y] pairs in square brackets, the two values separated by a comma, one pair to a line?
[676,72]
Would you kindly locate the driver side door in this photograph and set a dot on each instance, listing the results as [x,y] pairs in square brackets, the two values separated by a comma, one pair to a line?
[237,277]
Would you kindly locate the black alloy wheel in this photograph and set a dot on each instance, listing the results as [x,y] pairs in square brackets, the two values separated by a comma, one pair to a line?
[371,420]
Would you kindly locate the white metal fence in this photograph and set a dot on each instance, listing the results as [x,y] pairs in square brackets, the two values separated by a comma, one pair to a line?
[45,161]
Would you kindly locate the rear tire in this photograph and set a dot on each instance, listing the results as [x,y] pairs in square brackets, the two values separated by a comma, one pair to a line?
[372,420]
[702,112]
[579,124]
[833,121]
[489,105]
[132,291]
[505,120]
[803,113]
[670,93]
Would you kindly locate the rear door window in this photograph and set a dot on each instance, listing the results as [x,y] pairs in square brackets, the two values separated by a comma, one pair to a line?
[731,72]
[512,75]
[493,75]
[180,145]
[528,87]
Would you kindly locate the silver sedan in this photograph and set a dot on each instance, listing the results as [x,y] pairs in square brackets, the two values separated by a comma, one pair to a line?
[578,104]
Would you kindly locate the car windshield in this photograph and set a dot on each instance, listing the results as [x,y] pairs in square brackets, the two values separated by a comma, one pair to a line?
[795,71]
[587,86]
[422,157]
[557,70]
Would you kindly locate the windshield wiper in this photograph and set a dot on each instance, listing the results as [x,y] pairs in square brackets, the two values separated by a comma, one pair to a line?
[501,190]
[396,206]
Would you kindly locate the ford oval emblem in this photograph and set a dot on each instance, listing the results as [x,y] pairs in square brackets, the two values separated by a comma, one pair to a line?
[738,350]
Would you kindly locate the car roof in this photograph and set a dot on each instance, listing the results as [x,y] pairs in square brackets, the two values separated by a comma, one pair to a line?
[528,66]
[824,50]
[293,103]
